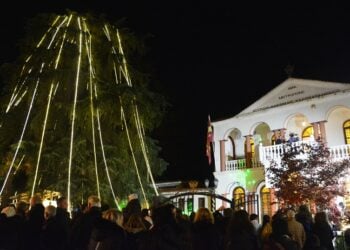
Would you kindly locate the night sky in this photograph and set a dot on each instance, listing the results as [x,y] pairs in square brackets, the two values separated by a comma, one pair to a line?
[211,58]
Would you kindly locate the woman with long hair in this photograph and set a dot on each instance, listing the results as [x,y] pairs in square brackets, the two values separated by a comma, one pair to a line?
[204,233]
[322,229]
[241,233]
[108,233]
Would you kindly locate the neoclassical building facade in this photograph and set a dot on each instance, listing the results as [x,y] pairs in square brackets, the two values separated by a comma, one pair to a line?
[245,143]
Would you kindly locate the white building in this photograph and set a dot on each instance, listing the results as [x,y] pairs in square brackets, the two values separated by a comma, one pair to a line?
[245,143]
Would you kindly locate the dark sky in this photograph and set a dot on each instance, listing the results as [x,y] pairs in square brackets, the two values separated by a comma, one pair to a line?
[212,58]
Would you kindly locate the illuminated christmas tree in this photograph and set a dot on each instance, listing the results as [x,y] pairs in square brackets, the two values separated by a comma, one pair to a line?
[75,114]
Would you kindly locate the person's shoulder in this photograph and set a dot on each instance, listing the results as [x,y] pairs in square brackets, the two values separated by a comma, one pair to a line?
[289,244]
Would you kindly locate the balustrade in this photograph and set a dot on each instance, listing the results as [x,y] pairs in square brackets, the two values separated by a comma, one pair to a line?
[275,152]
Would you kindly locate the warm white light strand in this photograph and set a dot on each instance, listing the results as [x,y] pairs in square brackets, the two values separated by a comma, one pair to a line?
[143,147]
[21,137]
[115,74]
[73,121]
[89,54]
[42,67]
[88,50]
[92,69]
[19,164]
[20,99]
[44,36]
[28,58]
[104,158]
[15,94]
[63,40]
[57,29]
[54,92]
[42,138]
[23,69]
[106,31]
[127,76]
[133,155]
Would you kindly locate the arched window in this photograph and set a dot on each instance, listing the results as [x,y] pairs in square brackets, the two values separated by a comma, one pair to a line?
[346,127]
[265,200]
[239,197]
[307,133]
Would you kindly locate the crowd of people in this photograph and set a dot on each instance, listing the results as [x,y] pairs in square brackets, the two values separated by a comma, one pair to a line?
[162,227]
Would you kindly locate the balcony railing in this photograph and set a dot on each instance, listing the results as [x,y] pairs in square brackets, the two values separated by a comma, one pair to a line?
[340,152]
[275,152]
[242,164]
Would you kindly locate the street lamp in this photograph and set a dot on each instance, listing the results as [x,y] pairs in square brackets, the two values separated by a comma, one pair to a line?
[206,183]
[213,200]
[216,182]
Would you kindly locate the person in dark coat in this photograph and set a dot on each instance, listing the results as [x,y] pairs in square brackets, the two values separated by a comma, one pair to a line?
[82,227]
[21,209]
[135,231]
[185,226]
[34,222]
[62,214]
[63,217]
[165,233]
[10,229]
[304,217]
[108,233]
[322,229]
[280,237]
[133,207]
[227,214]
[240,233]
[205,235]
[53,236]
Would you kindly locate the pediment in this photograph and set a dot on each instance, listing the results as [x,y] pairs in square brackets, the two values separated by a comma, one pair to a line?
[295,90]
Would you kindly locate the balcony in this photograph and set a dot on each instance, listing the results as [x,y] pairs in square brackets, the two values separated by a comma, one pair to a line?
[242,164]
[275,152]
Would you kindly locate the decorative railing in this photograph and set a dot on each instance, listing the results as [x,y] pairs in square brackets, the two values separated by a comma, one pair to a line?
[242,164]
[340,152]
[275,152]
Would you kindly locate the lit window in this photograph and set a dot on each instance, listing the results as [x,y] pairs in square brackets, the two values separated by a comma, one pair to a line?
[346,128]
[239,197]
[307,133]
[265,200]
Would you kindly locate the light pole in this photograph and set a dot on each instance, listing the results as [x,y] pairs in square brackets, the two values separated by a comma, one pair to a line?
[206,184]
[213,200]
